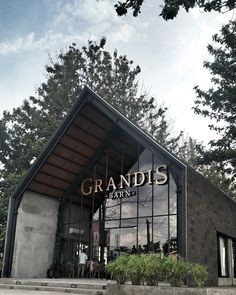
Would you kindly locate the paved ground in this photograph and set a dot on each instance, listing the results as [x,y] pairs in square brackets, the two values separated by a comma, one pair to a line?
[24,292]
[68,281]
[55,281]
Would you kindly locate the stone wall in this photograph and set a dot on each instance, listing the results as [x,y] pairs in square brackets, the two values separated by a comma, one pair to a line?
[35,235]
[209,211]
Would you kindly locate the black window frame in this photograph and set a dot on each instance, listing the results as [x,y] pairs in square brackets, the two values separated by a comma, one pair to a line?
[219,235]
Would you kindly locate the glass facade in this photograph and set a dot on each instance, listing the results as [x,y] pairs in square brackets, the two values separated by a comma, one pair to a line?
[131,211]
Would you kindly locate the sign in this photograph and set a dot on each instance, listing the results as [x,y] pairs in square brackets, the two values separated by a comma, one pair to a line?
[122,187]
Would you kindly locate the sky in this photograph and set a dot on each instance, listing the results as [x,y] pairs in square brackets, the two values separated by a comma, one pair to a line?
[170,54]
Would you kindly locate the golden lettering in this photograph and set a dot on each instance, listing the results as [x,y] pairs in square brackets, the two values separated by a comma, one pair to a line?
[98,185]
[123,180]
[137,180]
[90,188]
[159,172]
[149,175]
[111,183]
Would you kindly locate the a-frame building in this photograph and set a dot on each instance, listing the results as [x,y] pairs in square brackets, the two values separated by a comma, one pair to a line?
[103,185]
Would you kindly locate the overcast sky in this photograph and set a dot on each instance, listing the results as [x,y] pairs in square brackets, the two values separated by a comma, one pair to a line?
[170,54]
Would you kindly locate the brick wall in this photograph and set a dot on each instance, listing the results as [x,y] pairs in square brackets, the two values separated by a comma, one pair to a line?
[208,211]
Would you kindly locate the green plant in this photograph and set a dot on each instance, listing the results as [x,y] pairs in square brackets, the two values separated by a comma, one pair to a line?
[135,269]
[198,273]
[152,268]
[153,271]
[118,269]
[174,270]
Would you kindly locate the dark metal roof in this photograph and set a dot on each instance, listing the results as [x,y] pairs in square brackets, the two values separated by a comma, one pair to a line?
[88,125]
[91,129]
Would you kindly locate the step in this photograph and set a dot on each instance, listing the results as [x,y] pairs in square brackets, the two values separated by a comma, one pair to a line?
[57,283]
[71,290]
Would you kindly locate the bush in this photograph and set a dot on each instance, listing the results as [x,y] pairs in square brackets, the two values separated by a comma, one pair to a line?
[175,270]
[152,268]
[153,271]
[118,269]
[199,274]
[135,269]
[144,268]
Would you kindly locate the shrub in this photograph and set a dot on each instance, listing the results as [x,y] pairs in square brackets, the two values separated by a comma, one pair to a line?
[153,271]
[135,269]
[199,274]
[118,269]
[144,268]
[175,270]
[152,268]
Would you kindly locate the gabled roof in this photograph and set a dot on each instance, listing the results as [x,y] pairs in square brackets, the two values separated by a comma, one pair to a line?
[91,129]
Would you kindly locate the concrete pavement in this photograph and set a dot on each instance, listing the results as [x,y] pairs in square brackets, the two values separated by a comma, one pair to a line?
[26,292]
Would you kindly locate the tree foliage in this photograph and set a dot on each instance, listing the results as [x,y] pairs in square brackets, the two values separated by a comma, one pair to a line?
[170,8]
[190,151]
[219,102]
[187,150]
[26,129]
[218,178]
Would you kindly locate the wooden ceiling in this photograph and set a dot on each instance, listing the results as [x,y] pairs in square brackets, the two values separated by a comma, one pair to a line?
[91,144]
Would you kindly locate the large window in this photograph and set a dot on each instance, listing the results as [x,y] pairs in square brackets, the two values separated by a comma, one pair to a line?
[148,219]
[223,256]
[226,257]
[128,205]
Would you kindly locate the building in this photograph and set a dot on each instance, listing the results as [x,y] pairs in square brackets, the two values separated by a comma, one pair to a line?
[103,185]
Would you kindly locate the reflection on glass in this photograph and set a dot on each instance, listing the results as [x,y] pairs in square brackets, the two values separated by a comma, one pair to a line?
[160,200]
[173,247]
[145,200]
[160,193]
[223,256]
[129,207]
[132,222]
[144,235]
[160,234]
[112,209]
[173,226]
[96,215]
[145,192]
[128,238]
[173,195]
[147,195]
[121,240]
[112,223]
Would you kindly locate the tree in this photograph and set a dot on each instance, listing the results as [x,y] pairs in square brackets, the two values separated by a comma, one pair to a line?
[219,179]
[26,129]
[219,102]
[187,150]
[190,151]
[170,8]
